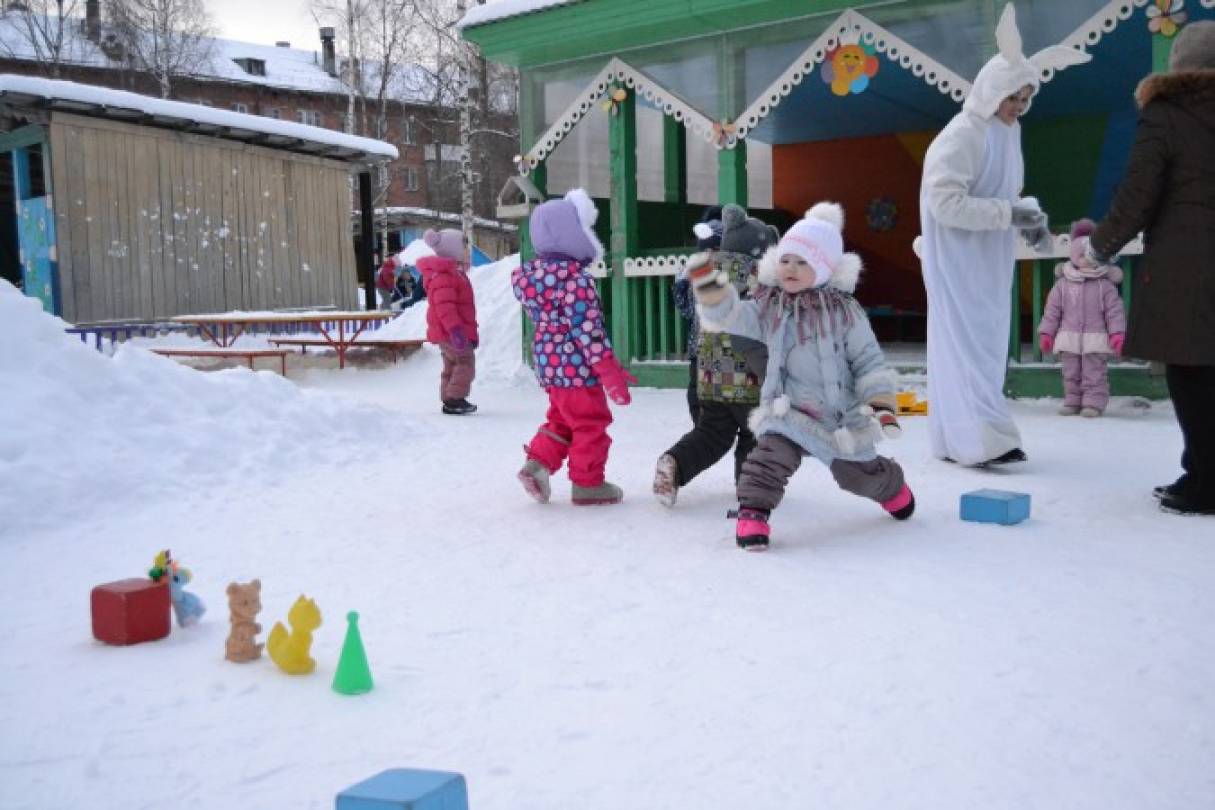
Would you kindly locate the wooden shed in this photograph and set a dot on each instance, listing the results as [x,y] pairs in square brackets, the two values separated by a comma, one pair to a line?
[134,208]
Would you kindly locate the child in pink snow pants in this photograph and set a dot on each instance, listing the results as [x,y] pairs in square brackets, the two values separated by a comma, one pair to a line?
[573,357]
[1084,323]
[451,318]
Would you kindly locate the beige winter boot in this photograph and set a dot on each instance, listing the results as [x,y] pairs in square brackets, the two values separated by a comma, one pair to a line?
[666,480]
[591,496]
[534,477]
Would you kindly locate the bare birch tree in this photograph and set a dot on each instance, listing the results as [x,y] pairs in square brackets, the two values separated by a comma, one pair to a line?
[166,38]
[47,33]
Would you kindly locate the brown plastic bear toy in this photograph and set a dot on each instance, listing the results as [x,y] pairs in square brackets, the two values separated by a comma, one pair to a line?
[245,601]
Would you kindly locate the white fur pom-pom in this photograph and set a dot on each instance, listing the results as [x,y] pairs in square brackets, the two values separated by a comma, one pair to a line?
[587,212]
[780,405]
[917,247]
[702,230]
[828,212]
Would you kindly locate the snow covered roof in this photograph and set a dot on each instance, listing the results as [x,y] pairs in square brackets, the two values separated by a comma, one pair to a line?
[502,9]
[441,216]
[293,69]
[28,91]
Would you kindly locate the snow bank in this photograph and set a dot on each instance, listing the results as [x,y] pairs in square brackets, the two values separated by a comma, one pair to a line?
[82,431]
[499,320]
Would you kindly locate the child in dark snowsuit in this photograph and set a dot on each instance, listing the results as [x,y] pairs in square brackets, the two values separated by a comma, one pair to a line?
[708,240]
[728,369]
[573,357]
[1084,323]
[827,392]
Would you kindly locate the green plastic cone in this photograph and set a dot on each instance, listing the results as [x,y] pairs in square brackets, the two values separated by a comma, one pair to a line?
[353,676]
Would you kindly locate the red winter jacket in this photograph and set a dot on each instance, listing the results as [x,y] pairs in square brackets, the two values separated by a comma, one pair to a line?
[450,296]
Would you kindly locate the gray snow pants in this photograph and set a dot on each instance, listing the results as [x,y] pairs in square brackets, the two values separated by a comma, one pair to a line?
[774,460]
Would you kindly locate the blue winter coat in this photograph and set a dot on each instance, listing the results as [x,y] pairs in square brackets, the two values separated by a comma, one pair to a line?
[825,366]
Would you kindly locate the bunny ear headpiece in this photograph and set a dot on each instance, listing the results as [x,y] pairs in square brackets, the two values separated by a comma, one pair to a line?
[1009,70]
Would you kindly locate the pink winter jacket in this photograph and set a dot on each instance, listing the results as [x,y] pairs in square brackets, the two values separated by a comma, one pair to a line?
[1081,314]
[449,294]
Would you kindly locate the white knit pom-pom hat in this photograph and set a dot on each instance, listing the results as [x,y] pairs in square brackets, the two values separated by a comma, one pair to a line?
[818,239]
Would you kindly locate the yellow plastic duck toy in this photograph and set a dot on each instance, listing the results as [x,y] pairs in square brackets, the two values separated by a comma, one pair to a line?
[290,652]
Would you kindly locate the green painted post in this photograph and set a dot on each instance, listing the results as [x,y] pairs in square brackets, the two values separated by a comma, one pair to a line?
[666,311]
[1014,330]
[1037,305]
[732,175]
[623,141]
[539,176]
[1162,46]
[646,326]
[1128,278]
[674,161]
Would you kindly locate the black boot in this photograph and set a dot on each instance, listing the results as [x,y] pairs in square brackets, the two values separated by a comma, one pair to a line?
[1179,502]
[458,407]
[1011,457]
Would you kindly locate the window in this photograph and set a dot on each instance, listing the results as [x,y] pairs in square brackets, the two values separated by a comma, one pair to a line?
[407,130]
[240,107]
[411,179]
[254,67]
[310,117]
[272,112]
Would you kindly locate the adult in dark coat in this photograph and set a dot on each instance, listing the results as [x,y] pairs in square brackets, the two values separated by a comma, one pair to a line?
[1169,194]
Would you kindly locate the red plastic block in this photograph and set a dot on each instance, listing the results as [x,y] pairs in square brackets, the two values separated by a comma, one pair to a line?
[130,611]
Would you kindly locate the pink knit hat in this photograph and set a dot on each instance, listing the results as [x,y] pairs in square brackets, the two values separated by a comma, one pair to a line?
[448,243]
[1081,230]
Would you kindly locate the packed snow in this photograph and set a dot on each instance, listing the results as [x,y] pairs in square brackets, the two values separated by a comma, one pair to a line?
[563,657]
[503,9]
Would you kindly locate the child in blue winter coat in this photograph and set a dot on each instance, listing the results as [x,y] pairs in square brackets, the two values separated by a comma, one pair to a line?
[827,392]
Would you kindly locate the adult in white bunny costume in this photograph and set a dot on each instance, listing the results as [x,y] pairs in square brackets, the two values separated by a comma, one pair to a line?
[971,211]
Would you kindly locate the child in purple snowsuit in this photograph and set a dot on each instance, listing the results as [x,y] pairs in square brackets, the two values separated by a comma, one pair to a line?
[1084,323]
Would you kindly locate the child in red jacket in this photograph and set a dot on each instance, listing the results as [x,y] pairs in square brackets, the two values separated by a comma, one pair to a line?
[451,319]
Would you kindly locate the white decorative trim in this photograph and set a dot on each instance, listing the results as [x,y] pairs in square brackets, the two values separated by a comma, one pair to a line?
[1063,245]
[655,266]
[616,71]
[599,269]
[1205,3]
[852,27]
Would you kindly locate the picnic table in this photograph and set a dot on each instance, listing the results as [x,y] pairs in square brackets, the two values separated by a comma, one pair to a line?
[338,330]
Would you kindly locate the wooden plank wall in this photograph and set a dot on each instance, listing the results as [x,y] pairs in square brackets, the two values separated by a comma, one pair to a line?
[154,223]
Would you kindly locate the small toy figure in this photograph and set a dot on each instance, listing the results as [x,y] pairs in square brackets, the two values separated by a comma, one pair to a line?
[187,607]
[290,652]
[353,675]
[244,602]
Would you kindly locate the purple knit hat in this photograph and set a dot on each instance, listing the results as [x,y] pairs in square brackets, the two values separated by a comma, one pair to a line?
[565,227]
[448,243]
[1081,230]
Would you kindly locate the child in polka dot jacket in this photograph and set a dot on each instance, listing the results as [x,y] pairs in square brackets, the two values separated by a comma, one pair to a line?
[573,357]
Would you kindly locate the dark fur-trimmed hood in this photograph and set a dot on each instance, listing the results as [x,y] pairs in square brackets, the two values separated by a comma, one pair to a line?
[1174,85]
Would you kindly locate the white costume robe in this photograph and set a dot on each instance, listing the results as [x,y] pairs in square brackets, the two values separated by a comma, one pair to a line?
[972,175]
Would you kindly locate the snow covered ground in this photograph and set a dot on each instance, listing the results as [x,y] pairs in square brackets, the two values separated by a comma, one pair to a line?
[589,658]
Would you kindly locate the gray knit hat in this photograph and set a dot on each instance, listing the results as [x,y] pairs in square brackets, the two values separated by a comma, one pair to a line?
[1194,47]
[743,234]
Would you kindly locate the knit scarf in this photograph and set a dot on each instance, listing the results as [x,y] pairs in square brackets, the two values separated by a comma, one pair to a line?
[814,311]
[1074,272]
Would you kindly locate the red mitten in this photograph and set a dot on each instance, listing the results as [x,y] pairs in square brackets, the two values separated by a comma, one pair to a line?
[1046,343]
[704,273]
[891,428]
[615,380]
[1116,341]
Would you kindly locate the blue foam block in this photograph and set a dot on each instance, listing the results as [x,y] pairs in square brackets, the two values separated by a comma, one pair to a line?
[995,506]
[406,789]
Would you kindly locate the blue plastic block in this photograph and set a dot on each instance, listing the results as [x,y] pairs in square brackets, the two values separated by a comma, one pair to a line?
[995,506]
[406,789]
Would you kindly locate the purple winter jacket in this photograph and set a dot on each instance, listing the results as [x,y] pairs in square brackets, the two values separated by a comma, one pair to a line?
[1081,313]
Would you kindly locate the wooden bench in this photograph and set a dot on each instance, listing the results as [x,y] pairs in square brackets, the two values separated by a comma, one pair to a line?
[247,354]
[395,347]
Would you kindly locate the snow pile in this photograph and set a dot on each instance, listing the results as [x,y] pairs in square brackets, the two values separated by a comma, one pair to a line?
[499,320]
[82,431]
[503,9]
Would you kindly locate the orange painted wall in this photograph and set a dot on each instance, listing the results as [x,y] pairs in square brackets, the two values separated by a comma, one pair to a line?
[854,172]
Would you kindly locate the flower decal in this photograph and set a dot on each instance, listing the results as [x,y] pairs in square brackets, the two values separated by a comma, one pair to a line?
[611,103]
[723,132]
[848,69]
[1166,17]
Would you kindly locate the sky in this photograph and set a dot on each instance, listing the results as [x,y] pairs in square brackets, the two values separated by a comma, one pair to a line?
[266,21]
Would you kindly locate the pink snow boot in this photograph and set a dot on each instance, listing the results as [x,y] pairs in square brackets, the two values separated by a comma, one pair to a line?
[902,505]
[752,531]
